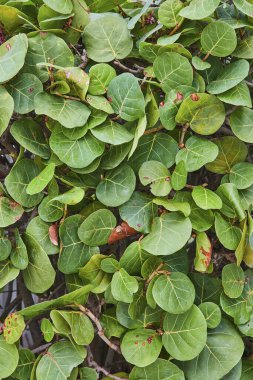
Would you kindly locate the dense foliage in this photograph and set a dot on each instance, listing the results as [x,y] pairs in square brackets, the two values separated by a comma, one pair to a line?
[126,189]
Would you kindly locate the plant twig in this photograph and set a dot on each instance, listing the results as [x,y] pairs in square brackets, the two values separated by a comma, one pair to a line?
[98,368]
[100,329]
[120,65]
[184,130]
[42,348]
[153,130]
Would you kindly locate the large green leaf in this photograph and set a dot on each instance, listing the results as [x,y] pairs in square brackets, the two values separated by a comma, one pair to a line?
[12,56]
[244,6]
[69,113]
[40,231]
[10,213]
[172,70]
[158,147]
[46,48]
[197,152]
[61,6]
[168,13]
[229,77]
[241,175]
[104,43]
[205,113]
[18,179]
[223,350]
[23,89]
[74,254]
[59,361]
[174,292]
[199,9]
[231,152]
[238,95]
[8,358]
[8,273]
[141,347]
[39,275]
[173,225]
[117,186]
[97,227]
[185,334]
[6,109]
[160,369]
[123,286]
[218,39]
[126,97]
[28,133]
[139,212]
[241,122]
[76,153]
[25,364]
[233,280]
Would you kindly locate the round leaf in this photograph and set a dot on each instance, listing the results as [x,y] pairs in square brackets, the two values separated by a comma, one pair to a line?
[233,280]
[6,109]
[160,369]
[218,39]
[9,354]
[212,314]
[241,122]
[206,199]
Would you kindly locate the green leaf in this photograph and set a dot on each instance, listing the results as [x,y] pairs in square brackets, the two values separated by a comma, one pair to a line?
[141,347]
[71,197]
[231,152]
[104,44]
[23,89]
[8,273]
[244,6]
[69,113]
[212,314]
[46,48]
[14,327]
[76,153]
[77,80]
[139,212]
[50,210]
[28,133]
[133,258]
[112,133]
[100,78]
[10,213]
[12,56]
[185,334]
[74,254]
[123,286]
[199,64]
[244,48]
[25,364]
[228,234]
[174,292]
[205,113]
[10,18]
[179,176]
[197,152]
[237,96]
[47,330]
[39,275]
[9,354]
[241,122]
[229,77]
[157,175]
[41,181]
[59,361]
[172,70]
[99,103]
[179,229]
[223,350]
[93,274]
[158,147]
[218,39]
[18,179]
[199,9]
[205,198]
[231,201]
[233,280]
[61,6]
[88,374]
[40,232]
[126,97]
[97,227]
[117,186]
[163,369]
[6,109]
[168,13]
[241,175]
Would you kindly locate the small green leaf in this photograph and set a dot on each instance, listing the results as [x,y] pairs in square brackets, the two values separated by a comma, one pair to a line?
[199,9]
[179,176]
[14,327]
[160,367]
[10,213]
[41,181]
[100,78]
[233,280]
[241,175]
[212,314]
[157,175]
[228,234]
[123,286]
[71,197]
[6,109]
[168,13]
[205,198]
[47,330]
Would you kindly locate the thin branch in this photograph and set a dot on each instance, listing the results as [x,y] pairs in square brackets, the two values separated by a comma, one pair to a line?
[153,130]
[184,130]
[42,348]
[100,329]
[98,368]
[120,65]
[153,274]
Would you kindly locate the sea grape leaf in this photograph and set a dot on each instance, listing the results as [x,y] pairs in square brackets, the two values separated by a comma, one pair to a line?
[218,39]
[6,109]
[212,314]
[123,286]
[241,122]
[126,97]
[205,198]
[155,174]
[233,280]
[9,354]
[100,78]
[11,212]
[168,13]
[42,180]
[199,9]
[104,43]
[162,368]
